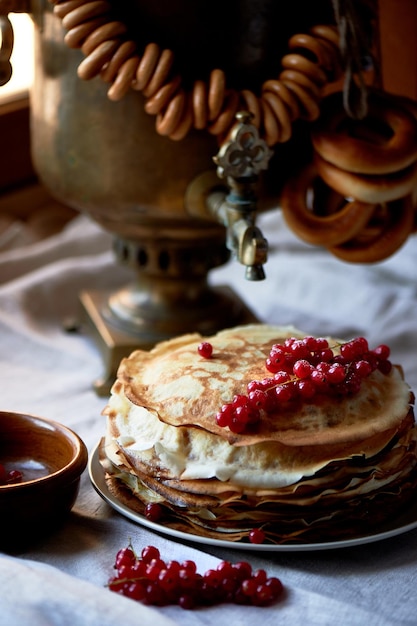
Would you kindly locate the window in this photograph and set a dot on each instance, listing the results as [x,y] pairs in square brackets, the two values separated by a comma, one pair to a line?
[16,167]
[21,59]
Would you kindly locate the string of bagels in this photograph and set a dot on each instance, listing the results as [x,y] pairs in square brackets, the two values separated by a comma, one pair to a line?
[357,197]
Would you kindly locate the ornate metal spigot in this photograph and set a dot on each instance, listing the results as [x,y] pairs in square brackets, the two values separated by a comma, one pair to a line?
[239,161]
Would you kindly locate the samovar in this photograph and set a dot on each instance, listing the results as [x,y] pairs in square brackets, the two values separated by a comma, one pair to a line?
[181,202]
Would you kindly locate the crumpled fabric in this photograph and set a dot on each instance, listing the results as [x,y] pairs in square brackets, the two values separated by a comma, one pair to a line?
[49,371]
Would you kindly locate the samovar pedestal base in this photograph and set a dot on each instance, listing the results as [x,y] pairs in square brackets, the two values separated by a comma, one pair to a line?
[115,343]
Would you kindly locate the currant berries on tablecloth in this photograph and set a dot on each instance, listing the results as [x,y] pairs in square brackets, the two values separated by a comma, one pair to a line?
[300,369]
[153,581]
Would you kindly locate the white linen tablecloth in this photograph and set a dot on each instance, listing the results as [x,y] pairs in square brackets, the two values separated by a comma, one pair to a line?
[49,372]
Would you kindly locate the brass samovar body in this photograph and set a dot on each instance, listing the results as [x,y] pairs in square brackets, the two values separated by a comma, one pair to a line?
[105,159]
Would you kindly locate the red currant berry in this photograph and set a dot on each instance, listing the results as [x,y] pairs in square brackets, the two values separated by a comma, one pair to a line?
[228,586]
[209,595]
[263,595]
[259,576]
[205,349]
[326,355]
[242,413]
[352,383]
[324,367]
[153,511]
[382,351]
[168,580]
[289,362]
[254,385]
[186,601]
[249,587]
[299,350]
[336,373]
[150,552]
[236,425]
[138,568]
[154,595]
[257,535]
[321,344]
[363,368]
[347,351]
[372,359]
[135,590]
[302,368]
[187,579]
[277,349]
[276,586]
[222,420]
[189,566]
[385,366]
[225,568]
[354,349]
[13,477]
[259,400]
[267,383]
[125,571]
[284,393]
[280,377]
[310,343]
[362,344]
[225,415]
[125,556]
[338,358]
[239,400]
[289,341]
[242,570]
[319,379]
[306,389]
[173,567]
[154,568]
[212,577]
[275,363]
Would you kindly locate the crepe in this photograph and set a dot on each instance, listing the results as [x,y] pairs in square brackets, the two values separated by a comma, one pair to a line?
[311,467]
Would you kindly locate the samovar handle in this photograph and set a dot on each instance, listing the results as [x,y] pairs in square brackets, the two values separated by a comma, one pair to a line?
[7,35]
[6,49]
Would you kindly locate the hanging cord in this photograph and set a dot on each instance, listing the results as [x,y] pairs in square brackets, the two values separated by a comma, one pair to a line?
[355,42]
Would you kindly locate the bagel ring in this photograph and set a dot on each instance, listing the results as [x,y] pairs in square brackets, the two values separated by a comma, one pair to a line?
[388,239]
[382,143]
[327,230]
[368,188]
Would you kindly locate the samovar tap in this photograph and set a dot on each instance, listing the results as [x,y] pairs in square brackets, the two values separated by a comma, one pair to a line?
[239,161]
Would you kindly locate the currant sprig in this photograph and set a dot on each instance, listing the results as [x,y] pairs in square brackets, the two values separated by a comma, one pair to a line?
[150,579]
[300,369]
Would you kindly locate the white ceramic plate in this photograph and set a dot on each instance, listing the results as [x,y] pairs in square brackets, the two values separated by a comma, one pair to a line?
[398,526]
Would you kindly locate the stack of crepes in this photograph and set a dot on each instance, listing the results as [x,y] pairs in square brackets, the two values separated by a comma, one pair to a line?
[314,470]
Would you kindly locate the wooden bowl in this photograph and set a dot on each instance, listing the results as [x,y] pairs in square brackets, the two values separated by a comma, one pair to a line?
[51,458]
